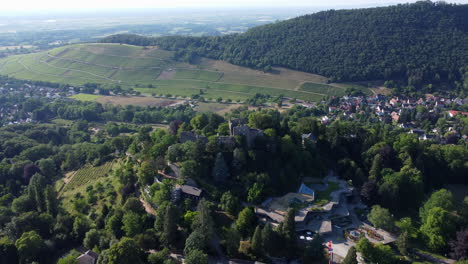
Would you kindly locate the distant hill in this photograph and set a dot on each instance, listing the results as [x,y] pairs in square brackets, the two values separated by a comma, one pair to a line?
[418,43]
[151,70]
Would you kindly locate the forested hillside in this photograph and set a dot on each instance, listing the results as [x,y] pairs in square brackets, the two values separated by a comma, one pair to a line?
[421,43]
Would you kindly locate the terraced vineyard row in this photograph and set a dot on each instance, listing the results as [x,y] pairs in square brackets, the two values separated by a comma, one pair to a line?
[88,174]
[154,71]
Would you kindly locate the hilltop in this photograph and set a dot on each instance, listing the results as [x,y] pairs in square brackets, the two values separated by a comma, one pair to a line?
[155,71]
[416,44]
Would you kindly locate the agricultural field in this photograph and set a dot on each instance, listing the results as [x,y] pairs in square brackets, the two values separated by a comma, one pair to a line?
[86,175]
[85,97]
[218,108]
[153,71]
[328,89]
[137,100]
[202,75]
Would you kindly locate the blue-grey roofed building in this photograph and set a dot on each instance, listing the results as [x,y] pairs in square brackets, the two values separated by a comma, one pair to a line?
[303,189]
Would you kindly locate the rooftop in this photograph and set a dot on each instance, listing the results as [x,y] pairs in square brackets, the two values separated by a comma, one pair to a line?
[190,190]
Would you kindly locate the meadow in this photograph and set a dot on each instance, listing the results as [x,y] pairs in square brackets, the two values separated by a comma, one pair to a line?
[154,71]
[86,175]
[85,97]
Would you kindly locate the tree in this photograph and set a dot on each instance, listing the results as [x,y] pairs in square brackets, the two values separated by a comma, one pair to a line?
[132,224]
[195,241]
[189,169]
[220,169]
[71,258]
[203,220]
[91,239]
[369,192]
[47,167]
[268,239]
[159,257]
[437,229]
[134,205]
[169,233]
[51,202]
[256,242]
[366,248]
[314,250]
[402,243]
[459,245]
[125,252]
[255,193]
[174,126]
[229,203]
[239,160]
[374,172]
[246,221]
[199,121]
[30,246]
[441,198]
[401,190]
[406,225]
[22,204]
[146,173]
[114,223]
[36,191]
[263,120]
[197,257]
[381,218]
[163,194]
[351,257]
[383,254]
[232,239]
[8,252]
[289,226]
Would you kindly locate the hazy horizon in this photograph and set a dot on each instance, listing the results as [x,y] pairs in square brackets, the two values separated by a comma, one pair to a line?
[32,6]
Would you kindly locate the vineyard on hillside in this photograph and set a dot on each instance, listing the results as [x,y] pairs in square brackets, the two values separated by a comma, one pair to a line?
[87,174]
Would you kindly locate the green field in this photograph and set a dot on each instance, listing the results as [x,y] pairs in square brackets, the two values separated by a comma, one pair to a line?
[329,90]
[85,97]
[86,175]
[198,75]
[133,67]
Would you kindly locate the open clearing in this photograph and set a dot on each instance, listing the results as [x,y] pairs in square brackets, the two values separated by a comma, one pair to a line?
[153,71]
[86,175]
[136,100]
[85,97]
[218,108]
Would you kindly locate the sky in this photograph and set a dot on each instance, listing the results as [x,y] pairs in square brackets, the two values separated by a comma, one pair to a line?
[41,5]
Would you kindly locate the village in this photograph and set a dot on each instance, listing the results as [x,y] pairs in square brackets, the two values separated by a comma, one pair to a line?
[401,112]
[329,207]
[10,113]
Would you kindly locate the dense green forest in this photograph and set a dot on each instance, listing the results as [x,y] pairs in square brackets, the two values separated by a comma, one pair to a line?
[398,175]
[417,44]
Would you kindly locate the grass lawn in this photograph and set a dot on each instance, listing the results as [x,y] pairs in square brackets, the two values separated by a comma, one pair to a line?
[323,197]
[85,97]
